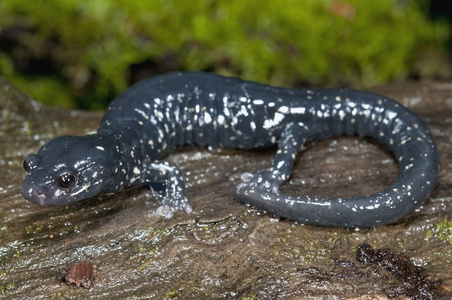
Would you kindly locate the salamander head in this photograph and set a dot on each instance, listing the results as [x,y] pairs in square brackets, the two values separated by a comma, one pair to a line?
[68,169]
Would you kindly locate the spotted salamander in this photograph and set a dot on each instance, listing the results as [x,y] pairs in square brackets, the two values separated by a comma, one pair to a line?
[163,112]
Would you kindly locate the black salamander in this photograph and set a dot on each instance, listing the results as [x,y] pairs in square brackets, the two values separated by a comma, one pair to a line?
[158,114]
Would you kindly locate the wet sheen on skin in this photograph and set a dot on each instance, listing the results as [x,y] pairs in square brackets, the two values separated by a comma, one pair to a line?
[161,113]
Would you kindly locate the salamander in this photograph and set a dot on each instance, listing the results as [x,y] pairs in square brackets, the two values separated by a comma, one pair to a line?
[163,112]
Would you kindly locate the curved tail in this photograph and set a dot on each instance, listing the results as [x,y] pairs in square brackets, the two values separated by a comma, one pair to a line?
[392,125]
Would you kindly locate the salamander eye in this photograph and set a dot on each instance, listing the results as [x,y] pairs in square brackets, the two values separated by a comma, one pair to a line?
[66,181]
[31,162]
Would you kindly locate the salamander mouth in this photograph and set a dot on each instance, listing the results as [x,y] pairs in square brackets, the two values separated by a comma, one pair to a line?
[35,197]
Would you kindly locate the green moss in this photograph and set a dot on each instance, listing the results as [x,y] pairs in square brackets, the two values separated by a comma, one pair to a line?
[441,230]
[45,89]
[171,294]
[30,229]
[5,288]
[147,255]
[26,128]
[93,44]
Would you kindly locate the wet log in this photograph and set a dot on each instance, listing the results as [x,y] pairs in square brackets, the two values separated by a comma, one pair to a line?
[223,250]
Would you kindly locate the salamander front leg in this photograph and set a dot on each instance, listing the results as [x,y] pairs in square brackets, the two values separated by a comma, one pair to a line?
[166,180]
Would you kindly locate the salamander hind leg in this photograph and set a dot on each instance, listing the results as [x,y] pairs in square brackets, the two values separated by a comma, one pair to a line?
[266,183]
[165,180]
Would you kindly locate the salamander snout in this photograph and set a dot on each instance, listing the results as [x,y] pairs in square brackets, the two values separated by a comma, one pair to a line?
[34,195]
[32,192]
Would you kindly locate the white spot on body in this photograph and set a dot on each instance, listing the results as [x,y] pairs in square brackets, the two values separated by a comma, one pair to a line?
[207,118]
[297,110]
[136,171]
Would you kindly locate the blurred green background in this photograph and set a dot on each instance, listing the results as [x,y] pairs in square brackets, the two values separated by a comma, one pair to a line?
[79,53]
